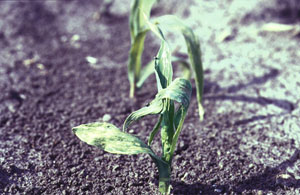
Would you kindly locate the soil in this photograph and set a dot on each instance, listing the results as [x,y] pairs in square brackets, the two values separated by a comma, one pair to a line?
[247,144]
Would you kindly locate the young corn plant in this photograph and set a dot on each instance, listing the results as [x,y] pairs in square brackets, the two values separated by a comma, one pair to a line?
[138,31]
[170,119]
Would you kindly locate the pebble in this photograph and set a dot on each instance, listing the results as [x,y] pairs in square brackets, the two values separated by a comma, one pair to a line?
[106,117]
[91,60]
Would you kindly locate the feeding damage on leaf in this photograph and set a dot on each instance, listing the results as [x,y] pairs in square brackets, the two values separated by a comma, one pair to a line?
[170,92]
[109,138]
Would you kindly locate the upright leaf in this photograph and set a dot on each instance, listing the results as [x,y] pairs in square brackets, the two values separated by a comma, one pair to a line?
[163,66]
[138,9]
[172,23]
[155,130]
[180,91]
[138,33]
[135,60]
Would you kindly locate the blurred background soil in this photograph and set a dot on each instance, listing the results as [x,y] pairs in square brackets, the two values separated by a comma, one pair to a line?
[64,63]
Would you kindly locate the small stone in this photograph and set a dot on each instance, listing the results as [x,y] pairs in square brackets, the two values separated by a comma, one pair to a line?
[184,177]
[63,38]
[41,66]
[221,165]
[75,38]
[96,16]
[131,131]
[91,59]
[106,117]
[218,190]
[28,62]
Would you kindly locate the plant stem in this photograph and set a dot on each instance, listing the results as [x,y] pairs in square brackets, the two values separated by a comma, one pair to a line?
[132,90]
[164,171]
[164,179]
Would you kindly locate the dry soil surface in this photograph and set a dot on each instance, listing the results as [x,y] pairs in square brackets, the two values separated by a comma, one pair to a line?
[247,144]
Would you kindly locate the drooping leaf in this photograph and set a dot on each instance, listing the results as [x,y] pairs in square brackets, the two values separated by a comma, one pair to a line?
[156,106]
[179,90]
[109,138]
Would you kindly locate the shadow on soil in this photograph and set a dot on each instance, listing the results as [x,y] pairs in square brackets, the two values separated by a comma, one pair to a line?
[33,18]
[215,88]
[211,87]
[269,180]
[272,178]
[287,12]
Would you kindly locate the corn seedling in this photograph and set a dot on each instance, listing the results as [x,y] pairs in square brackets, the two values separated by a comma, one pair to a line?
[170,119]
[138,31]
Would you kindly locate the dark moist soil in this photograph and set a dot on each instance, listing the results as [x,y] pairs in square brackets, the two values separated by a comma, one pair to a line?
[47,87]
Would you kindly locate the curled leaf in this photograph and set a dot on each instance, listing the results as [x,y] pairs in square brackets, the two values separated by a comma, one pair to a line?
[179,90]
[155,107]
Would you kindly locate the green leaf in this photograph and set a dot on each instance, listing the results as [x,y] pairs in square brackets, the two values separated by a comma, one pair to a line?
[180,116]
[155,107]
[109,138]
[172,23]
[135,61]
[179,90]
[163,66]
[136,19]
[155,130]
[138,33]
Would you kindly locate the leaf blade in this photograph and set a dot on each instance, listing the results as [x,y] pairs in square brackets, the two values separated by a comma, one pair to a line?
[155,107]
[138,32]
[172,23]
[155,130]
[110,139]
[179,90]
[135,60]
